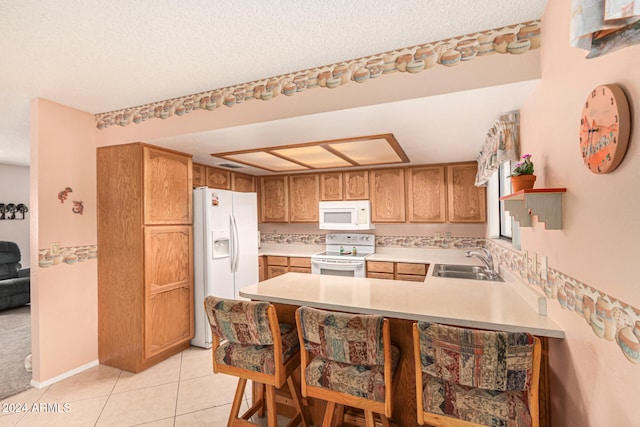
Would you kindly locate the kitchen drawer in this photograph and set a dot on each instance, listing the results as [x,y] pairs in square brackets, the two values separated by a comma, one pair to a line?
[410,268]
[374,275]
[300,262]
[277,260]
[300,270]
[381,267]
[410,277]
[276,270]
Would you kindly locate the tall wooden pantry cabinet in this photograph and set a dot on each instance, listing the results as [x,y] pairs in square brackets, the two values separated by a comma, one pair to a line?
[145,261]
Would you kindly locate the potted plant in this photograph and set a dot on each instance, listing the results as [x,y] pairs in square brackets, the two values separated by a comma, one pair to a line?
[522,176]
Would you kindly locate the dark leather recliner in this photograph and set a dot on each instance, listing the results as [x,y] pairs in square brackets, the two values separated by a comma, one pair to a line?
[15,281]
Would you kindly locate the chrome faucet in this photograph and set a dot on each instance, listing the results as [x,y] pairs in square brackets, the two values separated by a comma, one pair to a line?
[485,256]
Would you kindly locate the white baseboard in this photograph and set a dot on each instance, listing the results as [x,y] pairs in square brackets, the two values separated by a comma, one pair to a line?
[43,384]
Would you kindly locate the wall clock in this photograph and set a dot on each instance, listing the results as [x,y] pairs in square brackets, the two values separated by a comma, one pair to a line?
[604,128]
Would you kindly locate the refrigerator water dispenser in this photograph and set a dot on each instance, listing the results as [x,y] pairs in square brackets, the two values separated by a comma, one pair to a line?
[220,244]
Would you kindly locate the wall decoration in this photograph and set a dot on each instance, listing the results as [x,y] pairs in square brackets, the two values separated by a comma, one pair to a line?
[77,207]
[10,210]
[516,39]
[55,255]
[62,196]
[605,125]
[610,319]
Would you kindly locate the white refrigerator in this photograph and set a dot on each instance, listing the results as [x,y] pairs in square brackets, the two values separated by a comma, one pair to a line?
[225,239]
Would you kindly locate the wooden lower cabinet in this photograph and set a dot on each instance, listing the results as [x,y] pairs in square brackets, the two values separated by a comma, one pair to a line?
[278,265]
[262,262]
[415,272]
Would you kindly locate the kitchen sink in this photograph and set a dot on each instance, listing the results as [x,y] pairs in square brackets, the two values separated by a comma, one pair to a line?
[472,272]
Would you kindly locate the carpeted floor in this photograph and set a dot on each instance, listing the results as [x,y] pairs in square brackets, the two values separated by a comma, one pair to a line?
[15,345]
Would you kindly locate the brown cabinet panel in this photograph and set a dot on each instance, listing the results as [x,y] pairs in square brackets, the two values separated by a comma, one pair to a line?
[303,198]
[199,175]
[331,186]
[410,277]
[300,270]
[166,175]
[218,178]
[376,275]
[277,260]
[243,183]
[387,195]
[380,266]
[410,268]
[356,185]
[467,203]
[426,194]
[168,287]
[276,270]
[300,262]
[261,268]
[274,199]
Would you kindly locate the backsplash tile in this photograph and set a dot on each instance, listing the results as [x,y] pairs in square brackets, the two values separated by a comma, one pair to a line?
[609,318]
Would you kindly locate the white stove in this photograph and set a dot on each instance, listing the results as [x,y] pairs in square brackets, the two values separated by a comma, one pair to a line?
[345,255]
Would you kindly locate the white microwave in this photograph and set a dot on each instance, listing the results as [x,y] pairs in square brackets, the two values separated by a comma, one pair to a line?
[347,215]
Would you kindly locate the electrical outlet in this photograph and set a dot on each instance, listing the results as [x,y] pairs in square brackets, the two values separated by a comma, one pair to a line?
[55,248]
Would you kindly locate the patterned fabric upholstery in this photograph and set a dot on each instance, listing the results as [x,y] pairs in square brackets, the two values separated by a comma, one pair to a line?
[349,352]
[242,322]
[259,358]
[357,380]
[477,376]
[342,337]
[245,327]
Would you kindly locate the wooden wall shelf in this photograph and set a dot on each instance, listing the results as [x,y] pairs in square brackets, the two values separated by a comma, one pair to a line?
[545,203]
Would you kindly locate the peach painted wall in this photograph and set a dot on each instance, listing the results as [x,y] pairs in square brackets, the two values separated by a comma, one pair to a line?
[592,383]
[63,296]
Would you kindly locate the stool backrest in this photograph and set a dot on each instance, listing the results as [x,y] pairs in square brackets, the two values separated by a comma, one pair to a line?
[242,322]
[355,339]
[490,360]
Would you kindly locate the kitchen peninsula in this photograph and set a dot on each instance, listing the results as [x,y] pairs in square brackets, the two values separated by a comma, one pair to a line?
[466,303]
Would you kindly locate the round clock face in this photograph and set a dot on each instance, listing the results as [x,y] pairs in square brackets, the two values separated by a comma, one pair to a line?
[604,128]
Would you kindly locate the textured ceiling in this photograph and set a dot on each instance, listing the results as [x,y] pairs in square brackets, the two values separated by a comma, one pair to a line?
[100,56]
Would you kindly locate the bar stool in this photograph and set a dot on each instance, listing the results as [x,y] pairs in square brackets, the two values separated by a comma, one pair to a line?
[347,359]
[259,349]
[470,377]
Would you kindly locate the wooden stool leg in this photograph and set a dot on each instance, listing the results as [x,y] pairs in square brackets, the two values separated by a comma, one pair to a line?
[272,415]
[328,414]
[385,421]
[259,395]
[368,419]
[295,395]
[339,415]
[237,401]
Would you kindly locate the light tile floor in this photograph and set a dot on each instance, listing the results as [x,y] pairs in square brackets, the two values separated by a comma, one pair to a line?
[180,391]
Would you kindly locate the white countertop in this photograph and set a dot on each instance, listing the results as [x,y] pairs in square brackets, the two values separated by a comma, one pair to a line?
[275,249]
[466,303]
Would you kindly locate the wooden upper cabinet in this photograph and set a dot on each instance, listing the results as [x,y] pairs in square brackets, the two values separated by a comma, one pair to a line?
[331,186]
[426,194]
[199,175]
[303,198]
[356,185]
[387,195]
[466,202]
[243,183]
[218,178]
[166,176]
[274,199]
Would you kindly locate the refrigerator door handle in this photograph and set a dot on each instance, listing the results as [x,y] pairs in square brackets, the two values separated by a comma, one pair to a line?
[236,245]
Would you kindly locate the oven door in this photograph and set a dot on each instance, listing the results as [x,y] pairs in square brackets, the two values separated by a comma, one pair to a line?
[351,268]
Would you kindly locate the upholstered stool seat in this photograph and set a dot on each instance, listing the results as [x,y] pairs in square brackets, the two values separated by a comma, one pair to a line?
[470,377]
[356,380]
[347,360]
[249,343]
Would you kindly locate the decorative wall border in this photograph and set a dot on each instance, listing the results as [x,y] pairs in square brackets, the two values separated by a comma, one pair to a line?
[514,39]
[609,318]
[69,255]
